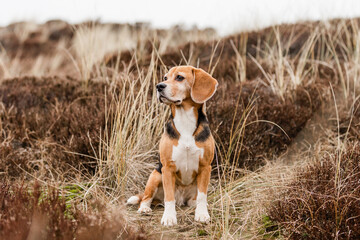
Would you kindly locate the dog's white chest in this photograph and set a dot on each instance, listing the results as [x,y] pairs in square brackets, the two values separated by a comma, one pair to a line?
[186,154]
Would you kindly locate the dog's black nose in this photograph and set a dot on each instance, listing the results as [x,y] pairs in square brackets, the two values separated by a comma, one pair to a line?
[160,86]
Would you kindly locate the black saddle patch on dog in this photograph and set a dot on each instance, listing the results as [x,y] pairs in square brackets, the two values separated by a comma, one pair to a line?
[201,117]
[159,167]
[204,134]
[170,130]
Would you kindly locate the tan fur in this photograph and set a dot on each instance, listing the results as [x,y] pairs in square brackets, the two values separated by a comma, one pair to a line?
[151,186]
[203,177]
[202,89]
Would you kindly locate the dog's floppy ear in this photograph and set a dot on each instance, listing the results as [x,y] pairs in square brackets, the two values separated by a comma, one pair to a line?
[204,86]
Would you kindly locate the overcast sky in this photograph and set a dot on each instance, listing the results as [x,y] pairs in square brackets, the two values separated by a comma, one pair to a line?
[226,16]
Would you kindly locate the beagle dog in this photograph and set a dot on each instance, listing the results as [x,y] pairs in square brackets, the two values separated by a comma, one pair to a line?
[186,147]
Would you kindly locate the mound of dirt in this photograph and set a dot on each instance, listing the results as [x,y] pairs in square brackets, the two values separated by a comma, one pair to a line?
[265,124]
[51,124]
[323,202]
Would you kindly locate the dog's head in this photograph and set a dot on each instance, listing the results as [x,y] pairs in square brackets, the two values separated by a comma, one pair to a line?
[186,82]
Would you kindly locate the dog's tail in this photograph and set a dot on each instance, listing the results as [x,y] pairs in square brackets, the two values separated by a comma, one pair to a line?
[136,199]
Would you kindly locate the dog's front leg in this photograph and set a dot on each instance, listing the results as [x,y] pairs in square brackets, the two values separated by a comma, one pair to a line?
[203,179]
[168,179]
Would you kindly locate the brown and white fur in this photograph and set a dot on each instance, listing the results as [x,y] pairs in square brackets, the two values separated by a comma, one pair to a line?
[186,146]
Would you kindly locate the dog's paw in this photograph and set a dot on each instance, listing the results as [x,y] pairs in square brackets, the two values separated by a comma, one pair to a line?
[191,203]
[133,200]
[168,219]
[202,215]
[169,216]
[144,209]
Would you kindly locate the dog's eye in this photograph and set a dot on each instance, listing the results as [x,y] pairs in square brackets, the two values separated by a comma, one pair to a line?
[179,78]
[165,78]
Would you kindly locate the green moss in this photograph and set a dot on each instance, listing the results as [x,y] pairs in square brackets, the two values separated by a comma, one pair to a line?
[269,229]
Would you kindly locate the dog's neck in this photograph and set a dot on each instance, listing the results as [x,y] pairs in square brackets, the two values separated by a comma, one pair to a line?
[187,117]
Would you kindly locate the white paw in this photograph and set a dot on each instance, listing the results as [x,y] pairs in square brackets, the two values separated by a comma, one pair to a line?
[202,215]
[144,209]
[133,200]
[168,219]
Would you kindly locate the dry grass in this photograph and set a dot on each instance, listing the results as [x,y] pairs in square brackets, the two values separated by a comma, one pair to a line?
[98,129]
[44,214]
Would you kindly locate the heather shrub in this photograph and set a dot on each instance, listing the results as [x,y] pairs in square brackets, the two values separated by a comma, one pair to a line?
[323,202]
[43,213]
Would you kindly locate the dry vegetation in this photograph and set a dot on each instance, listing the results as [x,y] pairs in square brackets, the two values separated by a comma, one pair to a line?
[45,214]
[79,120]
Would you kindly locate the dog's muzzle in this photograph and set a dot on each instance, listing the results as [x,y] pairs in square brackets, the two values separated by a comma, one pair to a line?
[160,87]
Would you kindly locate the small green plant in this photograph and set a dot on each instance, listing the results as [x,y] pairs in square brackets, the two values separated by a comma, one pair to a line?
[202,232]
